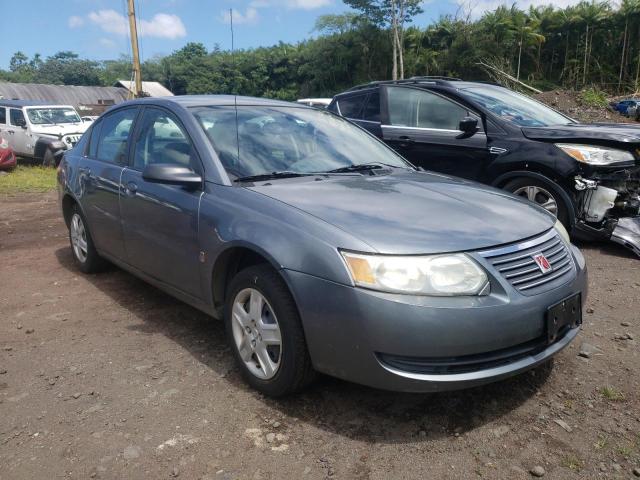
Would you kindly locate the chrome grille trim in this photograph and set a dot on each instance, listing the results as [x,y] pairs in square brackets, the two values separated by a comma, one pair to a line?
[515,263]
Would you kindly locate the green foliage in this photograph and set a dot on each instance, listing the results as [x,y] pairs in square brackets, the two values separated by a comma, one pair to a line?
[594,98]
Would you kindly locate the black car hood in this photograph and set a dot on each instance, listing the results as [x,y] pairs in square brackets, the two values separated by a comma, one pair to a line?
[413,212]
[602,133]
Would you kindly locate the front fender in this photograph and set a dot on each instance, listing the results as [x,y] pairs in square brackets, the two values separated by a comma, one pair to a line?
[44,143]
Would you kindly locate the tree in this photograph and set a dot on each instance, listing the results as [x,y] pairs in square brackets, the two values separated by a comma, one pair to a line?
[393,14]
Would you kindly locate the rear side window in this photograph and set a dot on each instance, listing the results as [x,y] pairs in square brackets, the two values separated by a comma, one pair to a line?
[16,116]
[411,107]
[114,136]
[351,107]
[372,108]
[3,115]
[93,140]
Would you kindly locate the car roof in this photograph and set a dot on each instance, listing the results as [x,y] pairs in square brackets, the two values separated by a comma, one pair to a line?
[21,103]
[216,100]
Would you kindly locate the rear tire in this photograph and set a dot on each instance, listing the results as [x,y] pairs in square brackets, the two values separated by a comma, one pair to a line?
[260,314]
[84,253]
[545,194]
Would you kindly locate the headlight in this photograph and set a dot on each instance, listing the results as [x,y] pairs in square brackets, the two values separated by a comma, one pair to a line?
[593,155]
[440,275]
[562,231]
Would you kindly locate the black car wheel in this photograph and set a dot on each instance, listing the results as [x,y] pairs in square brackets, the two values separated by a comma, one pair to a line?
[544,194]
[265,333]
[84,253]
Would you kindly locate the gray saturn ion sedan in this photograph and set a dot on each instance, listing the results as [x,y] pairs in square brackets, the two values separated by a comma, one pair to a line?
[321,248]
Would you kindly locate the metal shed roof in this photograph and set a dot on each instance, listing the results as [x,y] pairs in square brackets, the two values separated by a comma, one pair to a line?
[154,89]
[62,94]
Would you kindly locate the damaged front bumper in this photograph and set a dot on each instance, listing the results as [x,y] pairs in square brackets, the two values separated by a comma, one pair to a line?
[608,206]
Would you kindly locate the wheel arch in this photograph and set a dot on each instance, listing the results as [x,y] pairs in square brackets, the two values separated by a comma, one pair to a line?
[501,180]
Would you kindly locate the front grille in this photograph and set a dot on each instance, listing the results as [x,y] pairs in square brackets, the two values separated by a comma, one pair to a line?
[516,264]
[467,363]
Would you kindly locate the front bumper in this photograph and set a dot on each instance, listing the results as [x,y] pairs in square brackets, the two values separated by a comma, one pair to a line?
[7,160]
[351,332]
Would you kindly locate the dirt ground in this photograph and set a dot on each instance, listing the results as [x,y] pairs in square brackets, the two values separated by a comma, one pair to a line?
[103,376]
[570,103]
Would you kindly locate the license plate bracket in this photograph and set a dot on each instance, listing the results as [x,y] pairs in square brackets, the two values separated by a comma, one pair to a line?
[567,312]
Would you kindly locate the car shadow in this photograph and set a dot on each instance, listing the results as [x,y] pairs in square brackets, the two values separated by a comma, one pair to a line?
[336,406]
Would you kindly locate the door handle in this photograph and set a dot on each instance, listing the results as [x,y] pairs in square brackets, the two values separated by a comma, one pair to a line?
[130,189]
[405,141]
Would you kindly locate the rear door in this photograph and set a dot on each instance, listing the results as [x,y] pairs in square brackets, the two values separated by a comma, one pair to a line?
[99,173]
[160,221]
[19,138]
[423,127]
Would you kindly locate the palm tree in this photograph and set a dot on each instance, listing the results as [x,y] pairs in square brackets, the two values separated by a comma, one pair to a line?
[591,14]
[526,31]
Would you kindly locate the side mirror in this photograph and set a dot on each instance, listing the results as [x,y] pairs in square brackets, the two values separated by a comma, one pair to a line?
[468,126]
[21,122]
[172,174]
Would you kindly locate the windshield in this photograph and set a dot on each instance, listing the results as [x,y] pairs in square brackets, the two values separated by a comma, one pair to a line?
[288,139]
[43,116]
[516,108]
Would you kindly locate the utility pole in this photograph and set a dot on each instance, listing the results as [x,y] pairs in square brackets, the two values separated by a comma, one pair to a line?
[137,72]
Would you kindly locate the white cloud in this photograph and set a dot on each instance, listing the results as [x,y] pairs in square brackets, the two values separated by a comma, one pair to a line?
[107,43]
[161,25]
[110,21]
[308,4]
[250,17]
[75,21]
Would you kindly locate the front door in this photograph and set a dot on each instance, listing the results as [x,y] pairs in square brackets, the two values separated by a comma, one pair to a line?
[19,138]
[160,221]
[423,127]
[100,172]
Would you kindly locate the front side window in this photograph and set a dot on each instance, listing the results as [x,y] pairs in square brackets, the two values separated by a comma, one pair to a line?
[16,117]
[514,107]
[52,116]
[162,140]
[3,115]
[372,108]
[114,136]
[351,107]
[412,107]
[301,140]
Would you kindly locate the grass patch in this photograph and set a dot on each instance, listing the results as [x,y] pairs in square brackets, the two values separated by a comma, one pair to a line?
[25,178]
[612,394]
[601,443]
[572,463]
[594,98]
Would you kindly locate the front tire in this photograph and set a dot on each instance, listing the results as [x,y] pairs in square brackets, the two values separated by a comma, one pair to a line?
[84,253]
[48,160]
[265,333]
[544,194]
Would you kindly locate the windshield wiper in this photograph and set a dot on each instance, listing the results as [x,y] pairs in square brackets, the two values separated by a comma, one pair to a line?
[362,167]
[272,175]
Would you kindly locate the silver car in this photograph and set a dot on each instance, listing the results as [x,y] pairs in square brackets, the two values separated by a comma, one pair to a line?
[320,248]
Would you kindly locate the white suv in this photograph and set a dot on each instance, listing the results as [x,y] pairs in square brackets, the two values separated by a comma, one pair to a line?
[37,130]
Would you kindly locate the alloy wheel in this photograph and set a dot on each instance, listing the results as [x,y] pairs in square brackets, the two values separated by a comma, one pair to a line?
[78,238]
[540,196]
[256,333]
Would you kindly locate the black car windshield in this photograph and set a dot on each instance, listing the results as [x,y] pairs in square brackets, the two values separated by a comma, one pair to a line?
[264,139]
[514,107]
[51,116]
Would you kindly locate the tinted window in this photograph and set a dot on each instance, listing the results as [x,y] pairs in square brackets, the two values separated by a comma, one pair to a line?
[3,115]
[16,116]
[162,140]
[303,140]
[114,136]
[410,107]
[372,108]
[351,107]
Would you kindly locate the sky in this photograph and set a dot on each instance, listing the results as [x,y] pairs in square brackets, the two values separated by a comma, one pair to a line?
[98,29]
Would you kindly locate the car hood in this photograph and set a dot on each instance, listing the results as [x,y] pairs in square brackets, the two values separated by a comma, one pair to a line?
[60,129]
[413,212]
[604,133]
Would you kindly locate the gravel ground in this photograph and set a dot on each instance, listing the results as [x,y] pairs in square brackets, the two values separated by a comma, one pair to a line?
[103,376]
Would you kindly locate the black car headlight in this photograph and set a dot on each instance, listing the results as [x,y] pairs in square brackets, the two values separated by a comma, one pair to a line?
[596,155]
